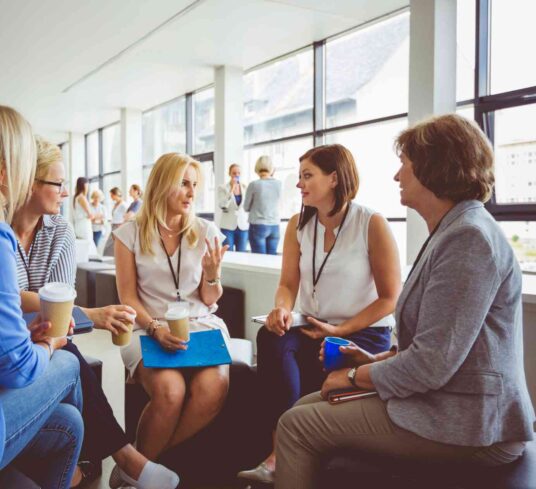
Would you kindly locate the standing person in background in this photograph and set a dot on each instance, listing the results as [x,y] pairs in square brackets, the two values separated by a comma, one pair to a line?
[234,221]
[136,193]
[99,215]
[119,209]
[262,203]
[82,211]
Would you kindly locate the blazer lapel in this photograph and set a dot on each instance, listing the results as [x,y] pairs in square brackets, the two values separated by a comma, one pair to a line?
[451,216]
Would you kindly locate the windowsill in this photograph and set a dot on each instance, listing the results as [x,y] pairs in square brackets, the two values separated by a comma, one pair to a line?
[271,265]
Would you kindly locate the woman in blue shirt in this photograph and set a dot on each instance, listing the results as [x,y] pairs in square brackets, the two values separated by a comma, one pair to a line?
[40,401]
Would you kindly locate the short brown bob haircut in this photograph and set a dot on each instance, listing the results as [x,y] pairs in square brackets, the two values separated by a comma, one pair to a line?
[451,156]
[333,158]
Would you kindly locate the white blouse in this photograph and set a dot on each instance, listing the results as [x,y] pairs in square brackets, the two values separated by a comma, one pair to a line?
[156,287]
[346,285]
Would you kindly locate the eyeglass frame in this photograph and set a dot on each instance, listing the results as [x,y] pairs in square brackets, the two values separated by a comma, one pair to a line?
[62,186]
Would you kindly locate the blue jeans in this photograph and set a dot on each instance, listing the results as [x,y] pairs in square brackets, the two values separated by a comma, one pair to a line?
[44,428]
[237,239]
[97,235]
[264,238]
[288,367]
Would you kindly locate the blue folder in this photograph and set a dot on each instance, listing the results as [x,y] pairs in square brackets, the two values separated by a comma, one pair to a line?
[205,349]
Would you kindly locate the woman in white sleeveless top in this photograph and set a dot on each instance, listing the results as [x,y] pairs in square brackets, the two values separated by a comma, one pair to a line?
[82,213]
[352,284]
[167,253]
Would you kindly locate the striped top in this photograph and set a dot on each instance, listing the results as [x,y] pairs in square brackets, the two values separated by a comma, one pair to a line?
[52,256]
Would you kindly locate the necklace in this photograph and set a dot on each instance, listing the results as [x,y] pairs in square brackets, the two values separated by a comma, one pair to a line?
[167,234]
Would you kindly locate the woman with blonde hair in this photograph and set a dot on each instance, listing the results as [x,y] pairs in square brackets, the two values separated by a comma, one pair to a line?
[40,398]
[234,220]
[99,215]
[168,254]
[262,203]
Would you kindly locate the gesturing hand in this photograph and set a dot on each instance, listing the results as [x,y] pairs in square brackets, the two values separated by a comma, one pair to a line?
[212,259]
[356,355]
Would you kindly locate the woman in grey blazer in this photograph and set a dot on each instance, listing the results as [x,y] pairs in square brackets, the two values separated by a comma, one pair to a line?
[456,388]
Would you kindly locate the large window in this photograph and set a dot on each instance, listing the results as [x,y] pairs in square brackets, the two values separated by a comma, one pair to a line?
[164,130]
[351,90]
[92,155]
[512,45]
[203,109]
[367,72]
[278,98]
[111,148]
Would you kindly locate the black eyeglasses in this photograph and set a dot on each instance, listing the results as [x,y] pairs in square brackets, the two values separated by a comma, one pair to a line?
[62,187]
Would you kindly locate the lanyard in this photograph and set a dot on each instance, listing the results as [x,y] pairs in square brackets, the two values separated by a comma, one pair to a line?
[28,265]
[316,277]
[423,247]
[176,278]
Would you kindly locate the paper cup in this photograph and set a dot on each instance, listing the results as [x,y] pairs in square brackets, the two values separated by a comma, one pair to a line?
[333,357]
[57,300]
[123,338]
[177,317]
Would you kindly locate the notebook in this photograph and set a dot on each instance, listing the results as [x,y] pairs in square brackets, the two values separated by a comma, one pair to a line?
[205,349]
[82,324]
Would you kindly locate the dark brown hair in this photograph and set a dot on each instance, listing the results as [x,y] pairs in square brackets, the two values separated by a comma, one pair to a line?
[451,156]
[333,158]
[80,187]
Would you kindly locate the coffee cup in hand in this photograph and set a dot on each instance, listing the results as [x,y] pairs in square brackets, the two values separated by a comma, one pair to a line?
[122,338]
[56,301]
[177,317]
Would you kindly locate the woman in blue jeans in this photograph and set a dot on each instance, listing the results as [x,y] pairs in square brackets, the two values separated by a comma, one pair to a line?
[262,203]
[40,402]
[342,260]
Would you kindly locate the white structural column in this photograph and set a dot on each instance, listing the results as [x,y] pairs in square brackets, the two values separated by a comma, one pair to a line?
[131,148]
[228,126]
[75,167]
[432,80]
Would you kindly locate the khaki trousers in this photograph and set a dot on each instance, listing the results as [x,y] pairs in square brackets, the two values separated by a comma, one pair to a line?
[313,427]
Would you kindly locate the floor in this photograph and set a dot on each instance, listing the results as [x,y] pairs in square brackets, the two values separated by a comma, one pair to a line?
[98,344]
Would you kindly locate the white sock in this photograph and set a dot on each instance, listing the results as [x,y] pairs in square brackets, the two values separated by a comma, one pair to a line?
[153,476]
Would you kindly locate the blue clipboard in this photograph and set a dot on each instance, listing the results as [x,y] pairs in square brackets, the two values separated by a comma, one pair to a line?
[82,324]
[205,349]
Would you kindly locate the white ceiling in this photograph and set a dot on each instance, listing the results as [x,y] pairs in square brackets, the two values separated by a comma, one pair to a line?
[139,53]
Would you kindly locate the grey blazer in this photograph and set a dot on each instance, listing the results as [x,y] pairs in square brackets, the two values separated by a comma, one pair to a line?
[458,377]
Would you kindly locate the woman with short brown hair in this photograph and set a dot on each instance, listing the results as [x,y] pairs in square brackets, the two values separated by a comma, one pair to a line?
[340,259]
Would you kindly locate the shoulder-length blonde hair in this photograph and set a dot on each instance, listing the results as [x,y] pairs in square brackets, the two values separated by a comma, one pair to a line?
[17,160]
[167,172]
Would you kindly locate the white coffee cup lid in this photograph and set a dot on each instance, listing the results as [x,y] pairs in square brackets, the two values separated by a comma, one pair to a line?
[177,312]
[57,292]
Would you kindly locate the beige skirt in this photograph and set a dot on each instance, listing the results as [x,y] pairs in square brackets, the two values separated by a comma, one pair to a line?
[131,353]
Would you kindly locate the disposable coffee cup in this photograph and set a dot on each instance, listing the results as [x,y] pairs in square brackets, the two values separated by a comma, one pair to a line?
[123,338]
[57,300]
[333,358]
[178,319]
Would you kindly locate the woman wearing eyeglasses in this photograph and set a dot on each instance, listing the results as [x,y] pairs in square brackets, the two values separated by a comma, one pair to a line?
[46,253]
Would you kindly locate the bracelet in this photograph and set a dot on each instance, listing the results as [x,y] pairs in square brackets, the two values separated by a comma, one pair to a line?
[152,327]
[216,281]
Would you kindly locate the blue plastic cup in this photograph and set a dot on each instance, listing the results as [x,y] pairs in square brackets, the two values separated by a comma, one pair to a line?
[333,357]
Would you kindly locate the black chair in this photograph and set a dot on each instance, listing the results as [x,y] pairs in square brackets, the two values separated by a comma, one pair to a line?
[11,478]
[349,469]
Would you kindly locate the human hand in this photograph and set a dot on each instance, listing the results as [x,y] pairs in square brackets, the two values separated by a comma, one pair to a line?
[319,329]
[212,259]
[167,340]
[338,379]
[38,328]
[115,318]
[279,321]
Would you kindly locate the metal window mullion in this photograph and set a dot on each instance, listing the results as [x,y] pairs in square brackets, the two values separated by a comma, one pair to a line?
[189,123]
[101,162]
[482,47]
[319,92]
